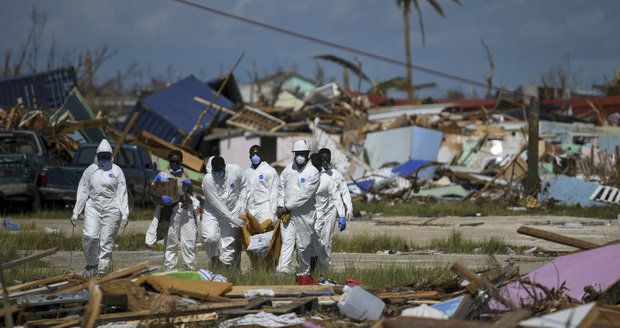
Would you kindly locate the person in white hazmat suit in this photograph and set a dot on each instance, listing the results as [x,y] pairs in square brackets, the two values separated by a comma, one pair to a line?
[102,197]
[341,183]
[180,216]
[329,206]
[224,189]
[298,185]
[262,187]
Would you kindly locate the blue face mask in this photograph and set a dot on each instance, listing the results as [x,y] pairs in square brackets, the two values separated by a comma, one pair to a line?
[104,162]
[218,174]
[255,159]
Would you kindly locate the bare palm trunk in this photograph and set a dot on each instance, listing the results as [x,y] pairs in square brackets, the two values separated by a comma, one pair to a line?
[406,12]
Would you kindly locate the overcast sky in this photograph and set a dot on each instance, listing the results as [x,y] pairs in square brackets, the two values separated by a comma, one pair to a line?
[527,37]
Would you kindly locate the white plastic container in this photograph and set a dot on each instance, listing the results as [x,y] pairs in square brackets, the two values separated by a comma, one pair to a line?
[359,304]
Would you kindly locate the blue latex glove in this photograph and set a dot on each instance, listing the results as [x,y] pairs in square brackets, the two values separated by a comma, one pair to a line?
[186,182]
[342,223]
[166,199]
[162,177]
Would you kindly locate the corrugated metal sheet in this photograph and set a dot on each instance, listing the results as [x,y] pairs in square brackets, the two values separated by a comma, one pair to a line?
[172,112]
[77,107]
[390,113]
[43,90]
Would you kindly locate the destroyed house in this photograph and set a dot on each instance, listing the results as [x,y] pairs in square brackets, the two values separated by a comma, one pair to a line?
[171,113]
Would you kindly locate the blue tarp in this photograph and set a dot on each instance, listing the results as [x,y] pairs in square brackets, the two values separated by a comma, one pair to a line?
[409,167]
[449,307]
[172,112]
[569,191]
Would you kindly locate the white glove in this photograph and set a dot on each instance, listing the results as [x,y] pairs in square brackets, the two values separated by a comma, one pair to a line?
[124,221]
[74,219]
[348,215]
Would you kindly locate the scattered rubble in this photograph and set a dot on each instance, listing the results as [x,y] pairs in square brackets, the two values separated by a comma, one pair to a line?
[574,290]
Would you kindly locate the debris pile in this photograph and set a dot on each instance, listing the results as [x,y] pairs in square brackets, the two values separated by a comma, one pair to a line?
[454,148]
[579,289]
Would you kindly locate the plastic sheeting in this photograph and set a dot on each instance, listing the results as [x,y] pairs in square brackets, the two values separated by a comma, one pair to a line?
[578,270]
[569,191]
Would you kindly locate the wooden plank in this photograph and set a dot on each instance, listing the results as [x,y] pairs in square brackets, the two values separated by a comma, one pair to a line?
[284,290]
[406,322]
[512,319]
[41,282]
[397,295]
[9,121]
[94,304]
[608,316]
[481,282]
[179,320]
[38,290]
[215,106]
[189,160]
[125,272]
[12,309]
[256,120]
[121,139]
[29,258]
[68,127]
[556,238]
[69,323]
[200,309]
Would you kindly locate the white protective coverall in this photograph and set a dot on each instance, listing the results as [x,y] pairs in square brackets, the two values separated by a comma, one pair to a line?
[224,201]
[341,184]
[298,188]
[329,206]
[182,230]
[102,195]
[262,192]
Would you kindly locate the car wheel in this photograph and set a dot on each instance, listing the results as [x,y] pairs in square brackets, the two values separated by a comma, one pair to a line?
[36,201]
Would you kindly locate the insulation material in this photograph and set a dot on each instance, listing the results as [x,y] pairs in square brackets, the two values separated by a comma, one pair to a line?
[577,271]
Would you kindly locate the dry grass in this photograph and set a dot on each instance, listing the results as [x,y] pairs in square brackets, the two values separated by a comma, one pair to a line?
[454,243]
[434,208]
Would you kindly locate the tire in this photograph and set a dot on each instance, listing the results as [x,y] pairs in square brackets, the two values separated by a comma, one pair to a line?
[37,201]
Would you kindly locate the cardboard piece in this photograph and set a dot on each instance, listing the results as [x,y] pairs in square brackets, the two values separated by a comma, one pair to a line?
[171,188]
[204,290]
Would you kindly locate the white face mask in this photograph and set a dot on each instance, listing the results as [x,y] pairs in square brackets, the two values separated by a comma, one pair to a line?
[300,160]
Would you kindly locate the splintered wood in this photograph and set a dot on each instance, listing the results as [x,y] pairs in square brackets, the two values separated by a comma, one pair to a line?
[254,119]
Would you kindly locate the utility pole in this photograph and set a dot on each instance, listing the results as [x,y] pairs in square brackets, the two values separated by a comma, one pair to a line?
[532,184]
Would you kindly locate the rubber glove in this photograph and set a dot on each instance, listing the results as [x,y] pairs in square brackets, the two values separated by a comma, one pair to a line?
[349,215]
[342,223]
[186,182]
[167,200]
[74,219]
[161,177]
[124,221]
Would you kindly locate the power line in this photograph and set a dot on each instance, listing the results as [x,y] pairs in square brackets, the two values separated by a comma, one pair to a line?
[337,45]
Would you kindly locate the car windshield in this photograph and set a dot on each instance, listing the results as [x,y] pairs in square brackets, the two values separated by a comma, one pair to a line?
[18,144]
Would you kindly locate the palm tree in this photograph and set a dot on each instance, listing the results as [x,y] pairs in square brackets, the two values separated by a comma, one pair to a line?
[405,5]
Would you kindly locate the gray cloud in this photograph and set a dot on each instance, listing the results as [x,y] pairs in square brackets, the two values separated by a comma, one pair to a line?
[527,37]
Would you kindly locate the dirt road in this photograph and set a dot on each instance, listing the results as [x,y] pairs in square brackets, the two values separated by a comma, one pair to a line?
[498,226]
